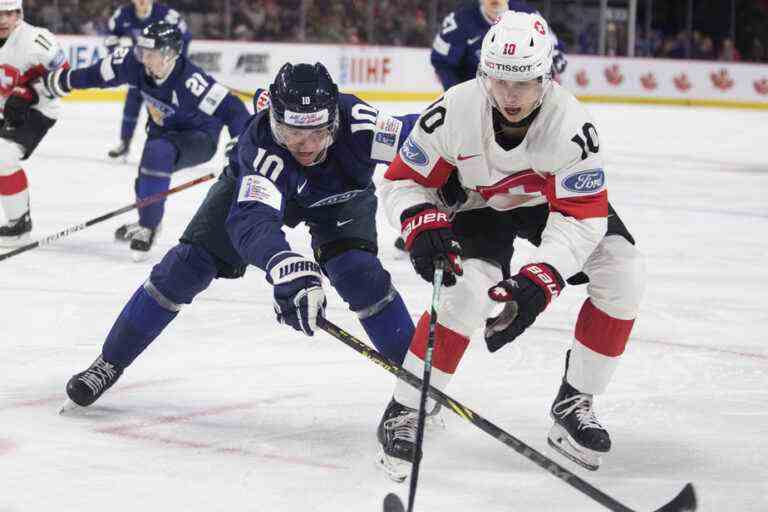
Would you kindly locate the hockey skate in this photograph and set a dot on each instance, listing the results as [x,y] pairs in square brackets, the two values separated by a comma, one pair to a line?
[120,152]
[86,387]
[576,433]
[125,232]
[397,437]
[142,242]
[16,232]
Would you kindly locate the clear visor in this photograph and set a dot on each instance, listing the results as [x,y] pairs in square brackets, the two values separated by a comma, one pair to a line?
[304,140]
[515,99]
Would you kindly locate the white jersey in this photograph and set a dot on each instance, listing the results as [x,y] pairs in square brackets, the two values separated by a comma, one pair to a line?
[26,54]
[558,163]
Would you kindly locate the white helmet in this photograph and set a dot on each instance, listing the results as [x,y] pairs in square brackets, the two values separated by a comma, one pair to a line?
[517,48]
[11,5]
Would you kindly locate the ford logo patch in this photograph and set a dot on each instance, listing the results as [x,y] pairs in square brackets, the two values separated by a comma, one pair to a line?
[413,153]
[585,182]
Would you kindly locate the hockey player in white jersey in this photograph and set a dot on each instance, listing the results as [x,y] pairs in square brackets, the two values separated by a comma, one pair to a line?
[26,52]
[512,154]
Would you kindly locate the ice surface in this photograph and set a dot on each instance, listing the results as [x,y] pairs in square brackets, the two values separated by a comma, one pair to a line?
[230,411]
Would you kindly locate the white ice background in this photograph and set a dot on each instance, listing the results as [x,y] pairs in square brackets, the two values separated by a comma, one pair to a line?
[228,410]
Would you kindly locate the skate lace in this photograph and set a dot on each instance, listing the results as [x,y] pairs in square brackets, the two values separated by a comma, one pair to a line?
[403,426]
[142,234]
[581,405]
[98,375]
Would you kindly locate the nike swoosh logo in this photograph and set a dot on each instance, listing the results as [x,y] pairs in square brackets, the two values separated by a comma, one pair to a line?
[473,40]
[301,187]
[466,157]
[340,223]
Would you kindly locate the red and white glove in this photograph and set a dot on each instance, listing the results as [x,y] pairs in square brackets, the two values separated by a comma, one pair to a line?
[525,295]
[429,238]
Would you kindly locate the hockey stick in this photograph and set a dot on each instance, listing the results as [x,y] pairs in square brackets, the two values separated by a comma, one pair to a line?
[685,501]
[437,283]
[79,227]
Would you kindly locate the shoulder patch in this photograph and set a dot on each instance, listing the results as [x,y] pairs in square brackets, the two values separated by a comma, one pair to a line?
[57,60]
[257,188]
[211,101]
[413,153]
[385,137]
[584,182]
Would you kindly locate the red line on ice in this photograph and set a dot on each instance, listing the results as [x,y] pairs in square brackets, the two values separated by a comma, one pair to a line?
[7,446]
[132,431]
[61,397]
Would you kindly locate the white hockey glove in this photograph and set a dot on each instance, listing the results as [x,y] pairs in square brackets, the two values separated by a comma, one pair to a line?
[56,83]
[298,291]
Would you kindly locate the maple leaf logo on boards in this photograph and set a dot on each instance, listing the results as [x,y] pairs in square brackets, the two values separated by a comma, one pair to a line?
[613,75]
[582,80]
[761,86]
[682,83]
[721,80]
[648,81]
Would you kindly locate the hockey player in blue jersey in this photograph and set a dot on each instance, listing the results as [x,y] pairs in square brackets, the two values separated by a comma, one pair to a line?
[187,111]
[307,155]
[456,48]
[125,27]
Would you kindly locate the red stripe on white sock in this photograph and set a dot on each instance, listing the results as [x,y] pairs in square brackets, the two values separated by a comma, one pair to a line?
[449,345]
[13,184]
[602,333]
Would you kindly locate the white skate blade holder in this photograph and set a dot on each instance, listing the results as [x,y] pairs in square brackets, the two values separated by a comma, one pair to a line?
[68,406]
[560,440]
[396,469]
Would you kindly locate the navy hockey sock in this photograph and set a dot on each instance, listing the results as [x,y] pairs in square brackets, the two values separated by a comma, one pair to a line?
[139,323]
[391,330]
[184,272]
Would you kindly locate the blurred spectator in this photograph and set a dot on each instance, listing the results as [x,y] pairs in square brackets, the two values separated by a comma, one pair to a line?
[394,22]
[758,52]
[728,52]
[704,49]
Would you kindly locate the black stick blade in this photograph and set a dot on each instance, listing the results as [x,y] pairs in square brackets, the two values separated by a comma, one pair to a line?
[392,503]
[683,502]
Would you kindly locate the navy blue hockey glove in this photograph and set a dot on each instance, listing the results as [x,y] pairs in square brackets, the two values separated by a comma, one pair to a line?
[525,296]
[428,237]
[298,291]
[16,109]
[559,63]
[56,82]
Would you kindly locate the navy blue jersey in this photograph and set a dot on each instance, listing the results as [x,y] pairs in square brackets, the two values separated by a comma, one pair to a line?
[125,23]
[456,48]
[189,99]
[270,177]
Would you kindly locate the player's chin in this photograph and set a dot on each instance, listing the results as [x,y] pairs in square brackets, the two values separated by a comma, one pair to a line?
[513,114]
[306,157]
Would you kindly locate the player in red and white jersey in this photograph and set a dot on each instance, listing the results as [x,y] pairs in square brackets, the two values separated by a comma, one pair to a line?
[512,154]
[26,52]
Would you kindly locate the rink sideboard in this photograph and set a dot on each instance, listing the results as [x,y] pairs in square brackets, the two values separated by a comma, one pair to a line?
[387,73]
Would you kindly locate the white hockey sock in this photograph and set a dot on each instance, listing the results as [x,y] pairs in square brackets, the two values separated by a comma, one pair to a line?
[14,194]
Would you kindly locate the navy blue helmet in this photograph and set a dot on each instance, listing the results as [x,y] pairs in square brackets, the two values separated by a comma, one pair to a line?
[162,36]
[304,96]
